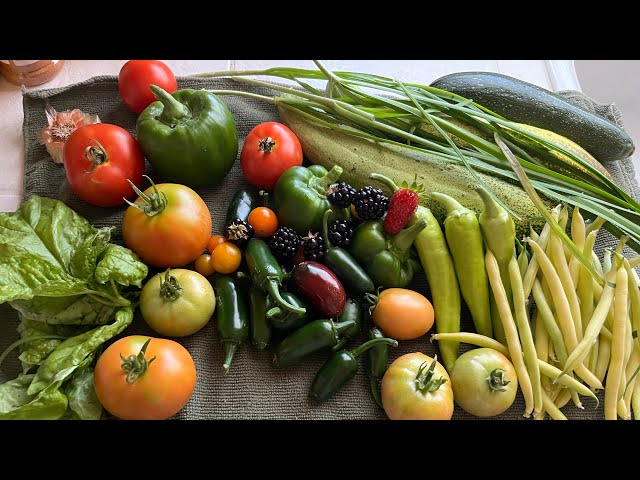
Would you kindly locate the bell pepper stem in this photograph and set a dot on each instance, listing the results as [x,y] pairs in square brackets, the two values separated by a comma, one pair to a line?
[272,289]
[274,312]
[401,242]
[322,184]
[229,352]
[356,352]
[386,180]
[173,111]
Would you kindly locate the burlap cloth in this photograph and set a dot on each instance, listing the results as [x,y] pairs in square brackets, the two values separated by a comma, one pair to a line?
[253,389]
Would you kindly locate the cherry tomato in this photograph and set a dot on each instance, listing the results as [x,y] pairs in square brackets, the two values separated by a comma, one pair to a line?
[155,393]
[214,241]
[174,232]
[269,150]
[412,391]
[204,266]
[99,159]
[226,258]
[264,221]
[403,314]
[177,303]
[484,382]
[136,76]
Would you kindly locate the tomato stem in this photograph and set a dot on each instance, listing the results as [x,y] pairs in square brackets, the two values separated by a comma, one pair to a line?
[95,155]
[169,287]
[425,382]
[136,365]
[497,381]
[266,144]
[154,203]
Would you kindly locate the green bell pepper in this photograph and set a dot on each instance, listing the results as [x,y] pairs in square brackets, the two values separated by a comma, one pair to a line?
[388,259]
[189,136]
[301,197]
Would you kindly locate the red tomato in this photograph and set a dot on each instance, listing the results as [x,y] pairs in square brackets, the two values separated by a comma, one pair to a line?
[175,231]
[158,392]
[135,78]
[99,159]
[269,150]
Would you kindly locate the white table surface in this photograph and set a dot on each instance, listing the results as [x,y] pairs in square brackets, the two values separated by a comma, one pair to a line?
[554,75]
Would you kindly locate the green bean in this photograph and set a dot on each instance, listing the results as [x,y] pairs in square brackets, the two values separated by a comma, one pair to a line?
[553,411]
[635,401]
[585,284]
[523,260]
[595,324]
[604,356]
[606,261]
[559,297]
[541,337]
[631,374]
[597,265]
[545,313]
[464,240]
[524,331]
[563,399]
[533,234]
[532,269]
[578,236]
[472,339]
[593,356]
[617,345]
[597,224]
[634,296]
[559,262]
[510,331]
[634,262]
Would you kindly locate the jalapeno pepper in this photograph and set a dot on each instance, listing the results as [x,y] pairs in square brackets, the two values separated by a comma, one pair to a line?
[266,272]
[341,367]
[346,268]
[260,326]
[388,259]
[352,311]
[313,337]
[232,312]
[284,319]
[377,364]
[240,206]
[301,197]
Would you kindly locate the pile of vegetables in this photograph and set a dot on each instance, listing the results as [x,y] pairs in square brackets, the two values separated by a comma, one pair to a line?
[405,178]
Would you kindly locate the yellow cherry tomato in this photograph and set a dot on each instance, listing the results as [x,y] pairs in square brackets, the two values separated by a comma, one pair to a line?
[226,258]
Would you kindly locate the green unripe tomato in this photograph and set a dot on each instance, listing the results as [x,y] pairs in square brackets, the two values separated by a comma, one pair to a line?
[177,303]
[484,382]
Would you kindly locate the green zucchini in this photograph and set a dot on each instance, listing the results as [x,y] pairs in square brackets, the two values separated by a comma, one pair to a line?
[524,102]
[360,157]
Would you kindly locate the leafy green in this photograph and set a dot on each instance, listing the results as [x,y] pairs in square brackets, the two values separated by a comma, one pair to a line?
[48,250]
[71,310]
[83,401]
[17,404]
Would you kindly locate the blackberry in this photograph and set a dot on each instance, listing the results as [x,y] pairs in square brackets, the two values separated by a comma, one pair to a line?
[341,233]
[284,242]
[341,194]
[239,232]
[313,245]
[370,203]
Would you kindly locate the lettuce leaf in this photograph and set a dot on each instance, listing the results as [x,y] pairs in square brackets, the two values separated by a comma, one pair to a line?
[83,401]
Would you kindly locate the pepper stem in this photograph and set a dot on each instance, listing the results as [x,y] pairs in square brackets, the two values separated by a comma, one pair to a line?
[229,352]
[450,203]
[273,290]
[97,155]
[173,110]
[153,203]
[340,327]
[491,208]
[497,381]
[264,195]
[425,382]
[386,180]
[401,242]
[136,365]
[169,287]
[266,144]
[356,352]
[322,184]
[274,312]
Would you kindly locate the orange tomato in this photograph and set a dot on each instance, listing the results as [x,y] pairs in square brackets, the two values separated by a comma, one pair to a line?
[226,258]
[264,221]
[214,241]
[157,393]
[204,266]
[403,314]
